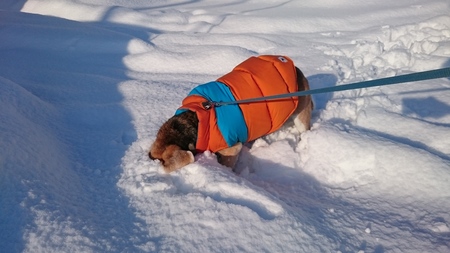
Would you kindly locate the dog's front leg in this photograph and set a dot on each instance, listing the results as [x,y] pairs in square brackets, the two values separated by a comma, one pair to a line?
[229,156]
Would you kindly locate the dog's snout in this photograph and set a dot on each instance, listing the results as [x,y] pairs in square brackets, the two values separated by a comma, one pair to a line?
[154,158]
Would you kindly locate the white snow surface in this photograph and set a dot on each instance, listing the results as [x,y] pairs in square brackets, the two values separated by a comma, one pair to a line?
[85,85]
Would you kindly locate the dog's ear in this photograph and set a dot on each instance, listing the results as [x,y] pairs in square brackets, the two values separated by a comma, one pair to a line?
[174,158]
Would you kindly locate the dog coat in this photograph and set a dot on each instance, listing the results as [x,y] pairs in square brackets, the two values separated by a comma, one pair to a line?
[224,126]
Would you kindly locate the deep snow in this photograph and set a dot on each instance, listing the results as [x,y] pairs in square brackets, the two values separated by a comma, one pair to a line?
[85,85]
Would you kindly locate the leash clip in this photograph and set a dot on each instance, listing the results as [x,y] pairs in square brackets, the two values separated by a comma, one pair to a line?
[207,105]
[210,104]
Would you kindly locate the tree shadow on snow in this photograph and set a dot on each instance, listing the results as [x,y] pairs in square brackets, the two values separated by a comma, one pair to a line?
[93,128]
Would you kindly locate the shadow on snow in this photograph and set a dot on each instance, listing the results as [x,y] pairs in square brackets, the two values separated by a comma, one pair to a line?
[72,71]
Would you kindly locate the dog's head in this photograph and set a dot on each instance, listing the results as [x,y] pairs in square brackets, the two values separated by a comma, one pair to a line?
[175,142]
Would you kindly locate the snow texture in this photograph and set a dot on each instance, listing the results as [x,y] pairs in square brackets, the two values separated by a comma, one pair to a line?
[85,85]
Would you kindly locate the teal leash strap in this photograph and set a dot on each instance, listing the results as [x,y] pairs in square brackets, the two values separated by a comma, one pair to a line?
[413,77]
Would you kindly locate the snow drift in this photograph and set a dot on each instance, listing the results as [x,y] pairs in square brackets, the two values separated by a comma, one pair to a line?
[85,85]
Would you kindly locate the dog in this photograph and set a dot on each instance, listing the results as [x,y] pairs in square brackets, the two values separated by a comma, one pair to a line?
[198,125]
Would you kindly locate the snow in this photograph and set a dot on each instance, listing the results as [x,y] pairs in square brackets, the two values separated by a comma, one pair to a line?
[85,85]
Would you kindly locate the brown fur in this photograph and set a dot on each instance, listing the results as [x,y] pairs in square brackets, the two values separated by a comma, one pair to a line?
[229,156]
[305,103]
[175,142]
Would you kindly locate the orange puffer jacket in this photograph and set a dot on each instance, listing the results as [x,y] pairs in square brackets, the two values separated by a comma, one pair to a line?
[224,126]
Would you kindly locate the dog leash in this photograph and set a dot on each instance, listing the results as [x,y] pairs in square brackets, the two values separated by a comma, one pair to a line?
[413,77]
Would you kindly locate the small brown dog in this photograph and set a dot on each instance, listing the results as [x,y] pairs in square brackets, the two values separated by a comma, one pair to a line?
[199,125]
